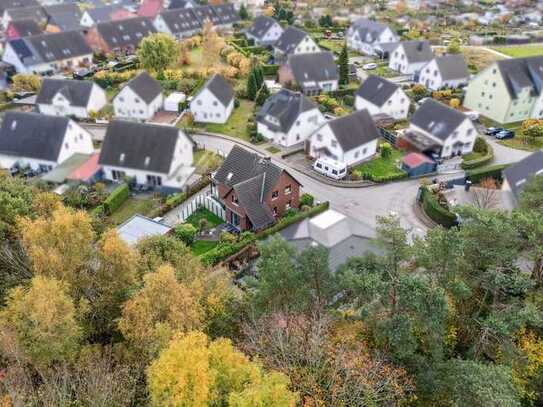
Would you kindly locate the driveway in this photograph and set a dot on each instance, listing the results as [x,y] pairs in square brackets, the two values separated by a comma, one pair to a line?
[503,154]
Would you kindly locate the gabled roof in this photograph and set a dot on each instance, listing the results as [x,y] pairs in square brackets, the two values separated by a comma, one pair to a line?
[150,8]
[368,30]
[285,107]
[146,147]
[180,20]
[32,135]
[519,173]
[26,28]
[176,4]
[376,90]
[76,92]
[66,16]
[102,14]
[290,39]
[452,66]
[519,73]
[206,13]
[250,197]
[10,4]
[145,86]
[227,13]
[220,88]
[36,13]
[318,66]
[354,130]
[261,25]
[437,119]
[125,33]
[417,51]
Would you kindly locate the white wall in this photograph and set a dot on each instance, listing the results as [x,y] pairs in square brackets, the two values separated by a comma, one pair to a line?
[398,62]
[206,108]
[60,106]
[127,104]
[431,78]
[303,127]
[86,20]
[397,106]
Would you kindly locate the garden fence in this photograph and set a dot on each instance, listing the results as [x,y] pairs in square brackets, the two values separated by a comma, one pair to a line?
[204,200]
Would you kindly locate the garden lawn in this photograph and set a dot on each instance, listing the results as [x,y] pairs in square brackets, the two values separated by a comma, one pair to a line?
[333,45]
[200,247]
[521,51]
[202,213]
[133,206]
[520,144]
[383,71]
[236,126]
[380,167]
[206,161]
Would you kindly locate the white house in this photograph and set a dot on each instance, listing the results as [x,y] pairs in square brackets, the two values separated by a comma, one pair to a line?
[288,118]
[48,52]
[150,154]
[293,41]
[409,57]
[349,139]
[447,71]
[439,129]
[39,141]
[365,36]
[139,99]
[264,31]
[312,73]
[214,102]
[380,96]
[65,97]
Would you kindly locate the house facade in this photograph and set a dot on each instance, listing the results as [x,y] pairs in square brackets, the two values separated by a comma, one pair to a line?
[447,71]
[349,139]
[148,154]
[139,99]
[380,96]
[264,31]
[508,91]
[214,102]
[409,57]
[293,41]
[120,35]
[365,36]
[39,141]
[313,73]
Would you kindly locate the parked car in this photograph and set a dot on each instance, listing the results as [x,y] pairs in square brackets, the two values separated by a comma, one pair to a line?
[330,167]
[492,131]
[505,134]
[370,66]
[472,115]
[83,74]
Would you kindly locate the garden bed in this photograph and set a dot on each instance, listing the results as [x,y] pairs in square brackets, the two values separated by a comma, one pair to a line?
[203,213]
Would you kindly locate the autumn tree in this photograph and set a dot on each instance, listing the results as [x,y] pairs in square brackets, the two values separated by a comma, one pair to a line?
[26,83]
[486,195]
[212,44]
[16,199]
[454,47]
[157,52]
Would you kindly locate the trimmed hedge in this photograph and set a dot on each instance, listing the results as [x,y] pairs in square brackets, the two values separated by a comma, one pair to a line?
[269,70]
[479,162]
[384,178]
[491,171]
[116,198]
[435,211]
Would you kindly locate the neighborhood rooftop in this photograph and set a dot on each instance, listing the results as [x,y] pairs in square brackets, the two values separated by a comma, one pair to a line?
[127,32]
[145,86]
[519,73]
[313,67]
[284,107]
[290,39]
[519,173]
[376,90]
[260,26]
[77,93]
[219,87]
[452,66]
[437,119]
[354,130]
[417,51]
[369,30]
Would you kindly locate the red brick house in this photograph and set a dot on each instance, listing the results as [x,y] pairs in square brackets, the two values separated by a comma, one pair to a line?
[253,190]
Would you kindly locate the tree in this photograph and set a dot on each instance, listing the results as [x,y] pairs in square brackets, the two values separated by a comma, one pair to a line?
[186,233]
[454,103]
[16,199]
[486,196]
[386,151]
[26,83]
[326,21]
[212,44]
[262,95]
[343,63]
[454,47]
[195,371]
[419,91]
[39,323]
[252,86]
[532,129]
[531,196]
[157,52]
[243,14]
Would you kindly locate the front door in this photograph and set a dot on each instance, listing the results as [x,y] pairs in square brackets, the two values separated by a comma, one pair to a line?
[234,219]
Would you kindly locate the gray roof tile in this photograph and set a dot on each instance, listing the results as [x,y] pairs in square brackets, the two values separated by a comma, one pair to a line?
[437,119]
[145,86]
[354,130]
[519,173]
[285,106]
[318,66]
[125,33]
[452,66]
[376,90]
[290,39]
[77,92]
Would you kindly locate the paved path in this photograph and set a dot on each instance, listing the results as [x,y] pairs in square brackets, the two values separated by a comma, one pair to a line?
[503,154]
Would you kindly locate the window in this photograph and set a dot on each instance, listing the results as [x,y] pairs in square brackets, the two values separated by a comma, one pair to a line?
[136,100]
[470,132]
[288,205]
[215,103]
[334,172]
[199,102]
[357,154]
[364,150]
[275,211]
[288,189]
[117,175]
[297,122]
[154,180]
[319,137]
[275,194]
[234,199]
[66,145]
[121,99]
[334,143]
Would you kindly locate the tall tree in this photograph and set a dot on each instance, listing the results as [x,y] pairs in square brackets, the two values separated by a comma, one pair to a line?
[212,44]
[243,13]
[157,52]
[252,85]
[343,62]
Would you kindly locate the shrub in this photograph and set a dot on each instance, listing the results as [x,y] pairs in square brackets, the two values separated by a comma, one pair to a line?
[435,211]
[186,233]
[307,199]
[348,100]
[491,171]
[270,70]
[386,151]
[117,197]
[480,146]
[227,237]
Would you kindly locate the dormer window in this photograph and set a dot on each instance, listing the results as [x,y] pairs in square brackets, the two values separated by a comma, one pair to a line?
[234,199]
[275,195]
[13,124]
[121,158]
[147,161]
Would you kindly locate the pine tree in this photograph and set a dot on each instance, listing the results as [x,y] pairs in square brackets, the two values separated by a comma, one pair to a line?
[259,75]
[252,85]
[343,63]
[263,94]
[243,14]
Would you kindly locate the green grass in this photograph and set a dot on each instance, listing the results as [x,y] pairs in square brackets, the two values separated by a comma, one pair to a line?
[333,45]
[521,51]
[384,71]
[202,213]
[236,126]
[206,161]
[472,156]
[520,144]
[273,149]
[380,167]
[133,206]
[200,247]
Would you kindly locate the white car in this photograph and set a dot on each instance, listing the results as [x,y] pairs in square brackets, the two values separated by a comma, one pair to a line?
[330,167]
[370,66]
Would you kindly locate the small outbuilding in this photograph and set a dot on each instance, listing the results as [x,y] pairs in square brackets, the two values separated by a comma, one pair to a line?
[139,227]
[417,164]
[171,103]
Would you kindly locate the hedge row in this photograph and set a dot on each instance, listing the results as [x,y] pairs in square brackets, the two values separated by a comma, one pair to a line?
[435,211]
[383,178]
[270,70]
[479,162]
[178,198]
[223,251]
[116,198]
[491,171]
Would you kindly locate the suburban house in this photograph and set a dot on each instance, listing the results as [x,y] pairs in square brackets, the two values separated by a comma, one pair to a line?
[121,35]
[228,15]
[36,13]
[150,154]
[447,71]
[348,139]
[380,96]
[180,23]
[365,36]
[12,4]
[291,42]
[22,28]
[438,129]
[312,73]
[104,14]
[139,99]
[264,31]
[508,90]
[288,118]
[516,175]
[39,141]
[344,237]
[214,102]
[253,190]
[409,57]
[48,52]
[206,14]
[63,17]
[65,97]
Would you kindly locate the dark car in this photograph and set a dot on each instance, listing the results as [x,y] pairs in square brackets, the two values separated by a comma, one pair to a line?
[83,74]
[492,131]
[505,134]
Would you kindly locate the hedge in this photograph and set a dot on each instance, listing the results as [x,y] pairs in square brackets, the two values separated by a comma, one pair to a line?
[269,70]
[384,178]
[479,162]
[435,211]
[491,171]
[223,251]
[116,198]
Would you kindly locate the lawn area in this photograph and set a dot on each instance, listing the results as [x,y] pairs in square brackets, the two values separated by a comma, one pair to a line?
[472,156]
[479,58]
[383,71]
[206,161]
[132,206]
[520,144]
[202,213]
[380,167]
[333,45]
[521,51]
[236,126]
[200,247]
[273,149]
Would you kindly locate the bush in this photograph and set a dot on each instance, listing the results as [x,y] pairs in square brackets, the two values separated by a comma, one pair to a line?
[435,211]
[307,199]
[117,197]
[491,171]
[186,233]
[386,151]
[348,100]
[269,70]
[480,147]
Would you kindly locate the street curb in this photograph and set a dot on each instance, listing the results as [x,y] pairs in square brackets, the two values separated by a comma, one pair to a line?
[422,217]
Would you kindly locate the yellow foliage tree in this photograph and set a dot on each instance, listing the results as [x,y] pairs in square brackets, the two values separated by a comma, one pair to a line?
[454,103]
[26,83]
[212,44]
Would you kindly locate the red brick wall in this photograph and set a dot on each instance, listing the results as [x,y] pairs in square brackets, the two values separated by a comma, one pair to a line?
[96,42]
[281,201]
